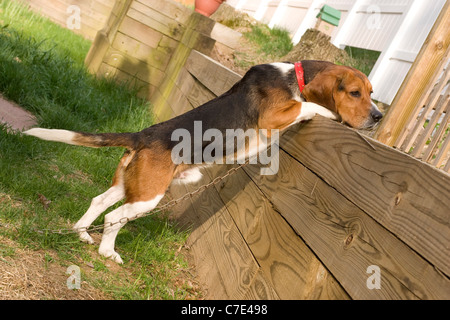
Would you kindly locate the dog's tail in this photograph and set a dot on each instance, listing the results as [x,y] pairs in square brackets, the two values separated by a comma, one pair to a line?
[127,140]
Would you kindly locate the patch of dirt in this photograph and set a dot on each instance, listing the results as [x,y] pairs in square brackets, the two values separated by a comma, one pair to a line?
[35,275]
[314,45]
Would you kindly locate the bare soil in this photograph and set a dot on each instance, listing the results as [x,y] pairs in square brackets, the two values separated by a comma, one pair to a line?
[314,45]
[27,274]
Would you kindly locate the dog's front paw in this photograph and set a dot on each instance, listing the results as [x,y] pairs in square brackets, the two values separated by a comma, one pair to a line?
[83,234]
[85,237]
[310,109]
[111,254]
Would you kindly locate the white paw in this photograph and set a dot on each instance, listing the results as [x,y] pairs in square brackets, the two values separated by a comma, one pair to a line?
[85,237]
[111,254]
[310,109]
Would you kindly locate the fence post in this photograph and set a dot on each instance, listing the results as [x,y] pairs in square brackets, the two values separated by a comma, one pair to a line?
[262,8]
[417,79]
[240,4]
[377,75]
[308,21]
[279,12]
[339,39]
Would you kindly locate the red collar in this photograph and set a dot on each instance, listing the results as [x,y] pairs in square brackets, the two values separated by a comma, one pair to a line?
[300,75]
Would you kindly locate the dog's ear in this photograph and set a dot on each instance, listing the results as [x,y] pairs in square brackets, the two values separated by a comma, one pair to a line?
[322,88]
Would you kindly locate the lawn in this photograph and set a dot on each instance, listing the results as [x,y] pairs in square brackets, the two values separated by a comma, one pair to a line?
[50,185]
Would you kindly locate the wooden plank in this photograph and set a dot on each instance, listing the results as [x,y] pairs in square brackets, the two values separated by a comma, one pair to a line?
[154,57]
[226,36]
[286,262]
[192,89]
[203,262]
[346,239]
[134,67]
[406,196]
[198,41]
[259,290]
[108,71]
[210,73]
[417,80]
[178,101]
[167,45]
[440,132]
[92,20]
[430,105]
[171,9]
[140,32]
[199,94]
[185,81]
[156,20]
[223,244]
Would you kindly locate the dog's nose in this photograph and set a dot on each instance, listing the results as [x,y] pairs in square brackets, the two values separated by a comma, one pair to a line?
[376,115]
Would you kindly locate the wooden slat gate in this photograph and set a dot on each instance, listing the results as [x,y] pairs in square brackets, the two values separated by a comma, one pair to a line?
[418,121]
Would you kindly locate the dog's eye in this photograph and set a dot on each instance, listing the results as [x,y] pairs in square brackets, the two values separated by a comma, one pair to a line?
[356,94]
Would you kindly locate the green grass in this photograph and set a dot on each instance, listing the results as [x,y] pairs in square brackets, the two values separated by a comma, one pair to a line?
[274,43]
[43,31]
[41,68]
[362,59]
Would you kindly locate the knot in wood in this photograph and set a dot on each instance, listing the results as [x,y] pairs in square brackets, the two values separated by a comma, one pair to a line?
[398,198]
[349,239]
[439,45]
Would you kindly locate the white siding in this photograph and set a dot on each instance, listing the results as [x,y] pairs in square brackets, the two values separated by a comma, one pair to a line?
[396,28]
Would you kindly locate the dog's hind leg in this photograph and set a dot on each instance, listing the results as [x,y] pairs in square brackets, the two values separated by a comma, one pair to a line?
[145,180]
[98,205]
[118,218]
[102,202]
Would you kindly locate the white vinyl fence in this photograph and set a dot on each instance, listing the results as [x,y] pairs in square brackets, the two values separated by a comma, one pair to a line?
[396,28]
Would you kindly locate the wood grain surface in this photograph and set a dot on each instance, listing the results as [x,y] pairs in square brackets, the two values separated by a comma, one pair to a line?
[285,260]
[346,239]
[404,195]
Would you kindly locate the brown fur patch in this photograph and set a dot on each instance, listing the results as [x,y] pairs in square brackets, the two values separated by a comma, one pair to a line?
[279,110]
[148,174]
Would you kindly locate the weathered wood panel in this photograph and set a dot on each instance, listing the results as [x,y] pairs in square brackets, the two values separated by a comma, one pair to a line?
[346,239]
[93,13]
[419,81]
[292,269]
[309,239]
[407,197]
[210,73]
[221,254]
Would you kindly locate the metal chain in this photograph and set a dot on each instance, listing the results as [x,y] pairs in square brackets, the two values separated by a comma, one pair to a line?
[158,209]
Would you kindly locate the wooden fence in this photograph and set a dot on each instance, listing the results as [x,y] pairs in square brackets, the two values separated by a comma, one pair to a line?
[91,14]
[159,45]
[418,122]
[339,207]
[342,213]
[397,29]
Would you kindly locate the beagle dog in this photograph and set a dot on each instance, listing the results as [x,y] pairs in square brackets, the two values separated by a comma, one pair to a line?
[270,96]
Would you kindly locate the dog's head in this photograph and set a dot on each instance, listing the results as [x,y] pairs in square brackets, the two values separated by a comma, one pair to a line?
[345,91]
